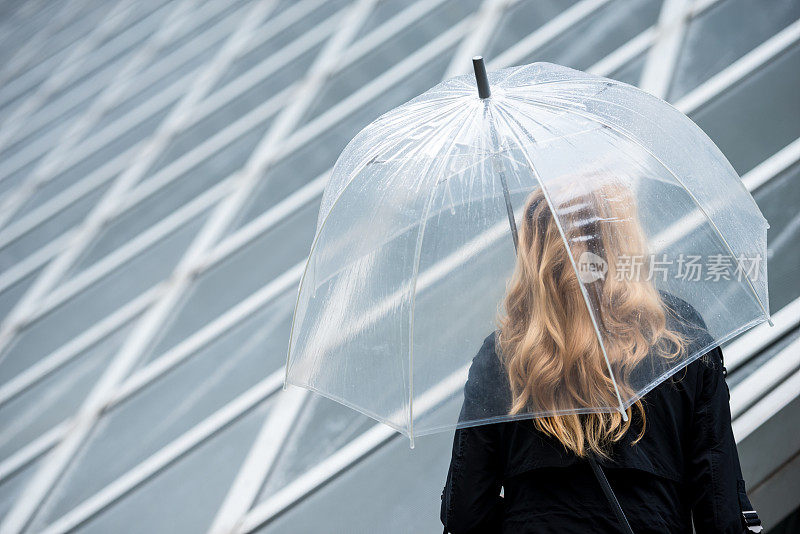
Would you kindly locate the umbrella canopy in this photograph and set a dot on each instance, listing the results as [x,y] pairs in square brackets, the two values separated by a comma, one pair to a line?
[417,230]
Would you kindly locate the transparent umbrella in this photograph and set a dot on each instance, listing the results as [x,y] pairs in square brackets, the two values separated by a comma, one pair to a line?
[417,231]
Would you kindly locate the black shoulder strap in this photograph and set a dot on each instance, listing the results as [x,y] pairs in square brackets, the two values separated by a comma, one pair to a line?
[612,499]
[750,519]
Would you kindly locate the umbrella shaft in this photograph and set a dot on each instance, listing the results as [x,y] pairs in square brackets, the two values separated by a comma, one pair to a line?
[498,167]
[612,499]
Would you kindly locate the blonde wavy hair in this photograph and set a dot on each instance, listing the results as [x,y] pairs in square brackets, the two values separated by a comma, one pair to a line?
[547,341]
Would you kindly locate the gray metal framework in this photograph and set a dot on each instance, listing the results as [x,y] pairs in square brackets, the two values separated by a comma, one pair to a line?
[133,47]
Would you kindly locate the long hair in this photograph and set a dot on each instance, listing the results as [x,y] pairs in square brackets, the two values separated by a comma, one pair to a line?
[547,340]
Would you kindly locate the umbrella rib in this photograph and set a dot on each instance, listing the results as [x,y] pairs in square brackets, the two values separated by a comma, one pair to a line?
[383,147]
[415,272]
[717,231]
[386,144]
[401,230]
[559,94]
[569,252]
[309,258]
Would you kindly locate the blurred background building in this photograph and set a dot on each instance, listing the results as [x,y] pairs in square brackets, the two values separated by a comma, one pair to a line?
[161,168]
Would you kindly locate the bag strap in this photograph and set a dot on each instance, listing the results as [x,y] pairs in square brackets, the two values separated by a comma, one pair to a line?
[609,493]
[750,519]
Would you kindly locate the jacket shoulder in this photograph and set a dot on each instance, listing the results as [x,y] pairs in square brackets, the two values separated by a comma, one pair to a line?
[486,393]
[486,366]
[684,318]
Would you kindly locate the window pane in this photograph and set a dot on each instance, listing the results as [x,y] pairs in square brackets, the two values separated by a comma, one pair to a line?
[778,200]
[87,81]
[322,428]
[213,120]
[50,229]
[105,296]
[53,188]
[11,295]
[97,159]
[711,43]
[57,397]
[75,24]
[355,76]
[172,405]
[100,66]
[752,365]
[185,497]
[11,487]
[631,72]
[48,135]
[759,115]
[179,61]
[212,14]
[383,11]
[599,34]
[14,174]
[522,19]
[263,51]
[409,503]
[240,275]
[320,153]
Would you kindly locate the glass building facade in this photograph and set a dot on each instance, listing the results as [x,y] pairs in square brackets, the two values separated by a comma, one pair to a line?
[161,169]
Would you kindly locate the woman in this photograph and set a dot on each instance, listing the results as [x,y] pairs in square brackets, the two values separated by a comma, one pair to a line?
[672,462]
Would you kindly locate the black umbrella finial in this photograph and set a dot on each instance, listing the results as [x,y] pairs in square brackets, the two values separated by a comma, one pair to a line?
[480,77]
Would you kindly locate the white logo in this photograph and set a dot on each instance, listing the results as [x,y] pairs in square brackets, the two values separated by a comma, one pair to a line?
[591,267]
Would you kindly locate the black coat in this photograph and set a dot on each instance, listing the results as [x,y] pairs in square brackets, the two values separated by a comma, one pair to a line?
[685,468]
